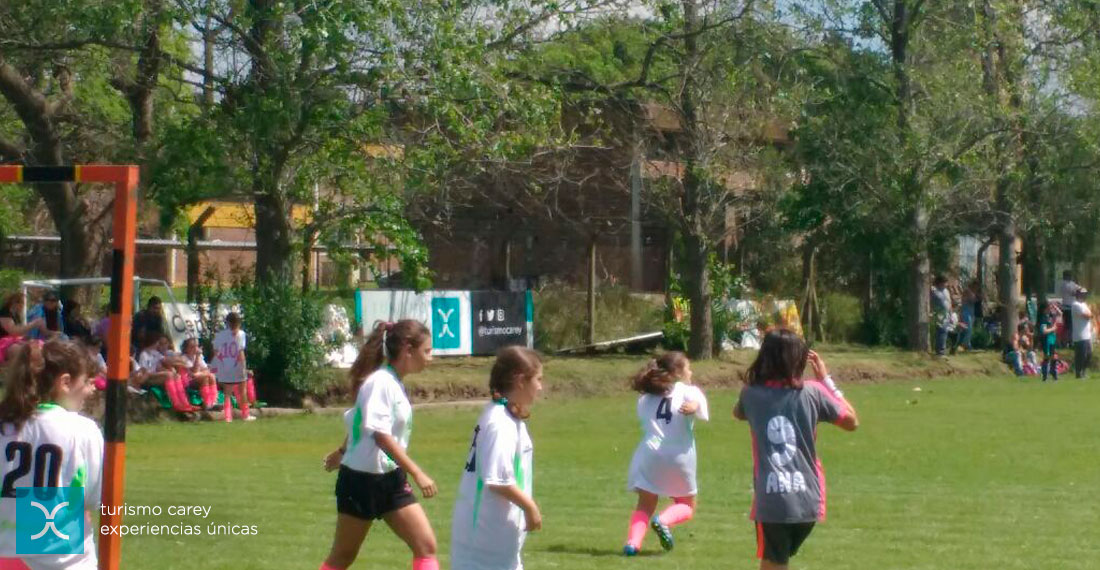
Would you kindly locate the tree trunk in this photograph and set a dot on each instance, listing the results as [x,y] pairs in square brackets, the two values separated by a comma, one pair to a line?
[920,284]
[590,329]
[274,252]
[696,277]
[193,261]
[1006,280]
[809,252]
[697,283]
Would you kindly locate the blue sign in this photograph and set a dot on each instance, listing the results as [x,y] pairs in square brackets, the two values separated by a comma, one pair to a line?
[49,520]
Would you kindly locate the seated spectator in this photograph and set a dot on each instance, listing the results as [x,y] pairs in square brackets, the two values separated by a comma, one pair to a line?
[155,368]
[12,330]
[94,346]
[202,379]
[1030,362]
[49,310]
[147,322]
[73,320]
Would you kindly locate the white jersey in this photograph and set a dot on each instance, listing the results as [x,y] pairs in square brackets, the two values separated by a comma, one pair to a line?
[198,360]
[664,462]
[381,406]
[487,530]
[1082,325]
[75,442]
[149,360]
[229,365]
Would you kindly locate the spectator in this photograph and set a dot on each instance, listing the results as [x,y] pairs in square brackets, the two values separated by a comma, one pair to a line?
[103,325]
[1082,333]
[1013,356]
[12,330]
[941,313]
[149,321]
[1069,290]
[966,316]
[73,320]
[1048,329]
[50,310]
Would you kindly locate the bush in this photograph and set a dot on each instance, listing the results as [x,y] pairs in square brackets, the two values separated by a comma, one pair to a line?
[561,313]
[842,317]
[283,346]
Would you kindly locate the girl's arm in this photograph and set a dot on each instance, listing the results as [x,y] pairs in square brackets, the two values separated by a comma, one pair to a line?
[388,444]
[332,460]
[13,329]
[520,499]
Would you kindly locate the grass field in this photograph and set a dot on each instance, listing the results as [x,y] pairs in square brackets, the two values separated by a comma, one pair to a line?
[965,474]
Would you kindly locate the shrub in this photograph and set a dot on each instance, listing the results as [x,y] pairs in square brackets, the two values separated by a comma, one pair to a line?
[842,317]
[283,346]
[561,313]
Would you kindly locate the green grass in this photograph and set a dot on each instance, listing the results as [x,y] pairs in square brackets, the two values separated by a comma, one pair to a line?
[966,474]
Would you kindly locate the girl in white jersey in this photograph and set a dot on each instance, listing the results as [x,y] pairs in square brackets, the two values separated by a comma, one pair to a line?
[495,509]
[374,464]
[44,438]
[664,462]
[231,367]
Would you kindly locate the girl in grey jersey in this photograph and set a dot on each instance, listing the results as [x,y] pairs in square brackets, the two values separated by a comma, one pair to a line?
[783,411]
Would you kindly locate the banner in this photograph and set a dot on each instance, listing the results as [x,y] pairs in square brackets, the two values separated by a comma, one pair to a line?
[500,319]
[182,321]
[462,322]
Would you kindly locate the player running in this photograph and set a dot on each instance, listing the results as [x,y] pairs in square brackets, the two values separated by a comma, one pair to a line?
[664,461]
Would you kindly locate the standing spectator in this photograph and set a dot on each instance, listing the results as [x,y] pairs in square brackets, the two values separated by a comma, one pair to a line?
[941,313]
[150,320]
[966,317]
[1048,329]
[1082,333]
[1069,289]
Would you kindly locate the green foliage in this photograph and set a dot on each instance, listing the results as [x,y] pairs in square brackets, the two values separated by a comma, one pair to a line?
[725,285]
[560,315]
[842,317]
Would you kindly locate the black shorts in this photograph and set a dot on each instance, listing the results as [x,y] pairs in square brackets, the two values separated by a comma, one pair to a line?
[369,496]
[778,542]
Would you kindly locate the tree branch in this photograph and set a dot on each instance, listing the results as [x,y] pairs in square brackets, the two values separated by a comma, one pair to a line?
[11,152]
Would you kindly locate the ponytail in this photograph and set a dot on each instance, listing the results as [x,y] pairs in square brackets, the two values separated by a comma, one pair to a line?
[660,374]
[31,377]
[383,345]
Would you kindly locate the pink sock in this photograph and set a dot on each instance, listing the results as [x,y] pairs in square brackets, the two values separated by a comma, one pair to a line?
[677,514]
[425,564]
[251,389]
[325,566]
[228,408]
[242,399]
[639,522]
[209,395]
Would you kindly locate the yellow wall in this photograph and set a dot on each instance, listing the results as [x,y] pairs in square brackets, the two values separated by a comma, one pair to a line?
[237,214]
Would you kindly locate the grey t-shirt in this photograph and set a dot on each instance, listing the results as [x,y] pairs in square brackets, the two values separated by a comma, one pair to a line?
[788,479]
[941,306]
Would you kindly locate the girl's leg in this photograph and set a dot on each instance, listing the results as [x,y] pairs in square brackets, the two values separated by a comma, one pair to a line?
[227,389]
[769,565]
[411,524]
[639,519]
[350,532]
[679,512]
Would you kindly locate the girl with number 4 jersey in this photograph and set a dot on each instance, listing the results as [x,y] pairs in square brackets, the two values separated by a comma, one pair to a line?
[664,462]
[495,509]
[44,439]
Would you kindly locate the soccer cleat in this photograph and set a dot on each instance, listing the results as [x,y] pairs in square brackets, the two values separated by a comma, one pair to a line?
[630,550]
[663,532]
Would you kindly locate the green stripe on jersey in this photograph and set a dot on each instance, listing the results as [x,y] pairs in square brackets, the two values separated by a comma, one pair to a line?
[517,464]
[357,426]
[477,499]
[80,477]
